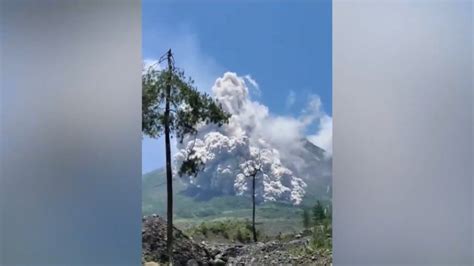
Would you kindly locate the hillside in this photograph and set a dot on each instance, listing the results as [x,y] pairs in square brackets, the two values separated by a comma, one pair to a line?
[191,206]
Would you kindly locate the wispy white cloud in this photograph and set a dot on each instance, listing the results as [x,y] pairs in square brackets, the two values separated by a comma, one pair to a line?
[323,138]
[254,84]
[314,114]
[290,99]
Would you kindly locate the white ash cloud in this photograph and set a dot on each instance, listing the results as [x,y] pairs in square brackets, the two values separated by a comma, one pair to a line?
[252,133]
[323,138]
[254,84]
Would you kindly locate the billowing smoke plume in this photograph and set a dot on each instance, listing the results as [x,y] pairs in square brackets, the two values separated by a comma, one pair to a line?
[252,137]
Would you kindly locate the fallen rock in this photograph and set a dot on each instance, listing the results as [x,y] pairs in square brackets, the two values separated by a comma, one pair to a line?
[192,262]
[218,262]
[154,247]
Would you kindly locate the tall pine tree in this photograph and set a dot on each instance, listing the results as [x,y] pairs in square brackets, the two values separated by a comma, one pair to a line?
[172,106]
[318,213]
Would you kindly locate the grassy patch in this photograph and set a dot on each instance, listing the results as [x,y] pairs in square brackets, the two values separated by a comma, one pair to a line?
[231,230]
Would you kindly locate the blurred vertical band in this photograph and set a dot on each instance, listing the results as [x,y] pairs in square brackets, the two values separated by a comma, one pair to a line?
[70,132]
[403,132]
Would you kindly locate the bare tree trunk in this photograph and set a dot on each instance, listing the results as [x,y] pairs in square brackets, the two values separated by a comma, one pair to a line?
[254,231]
[169,175]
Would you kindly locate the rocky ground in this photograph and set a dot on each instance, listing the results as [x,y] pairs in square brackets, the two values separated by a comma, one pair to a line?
[269,253]
[185,250]
[188,252]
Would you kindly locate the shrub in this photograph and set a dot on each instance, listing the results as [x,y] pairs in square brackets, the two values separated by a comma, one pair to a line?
[321,237]
[225,234]
[319,214]
[243,235]
[203,229]
[240,230]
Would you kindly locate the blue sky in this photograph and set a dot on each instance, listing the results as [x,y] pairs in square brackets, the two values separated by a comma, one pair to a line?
[285,46]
